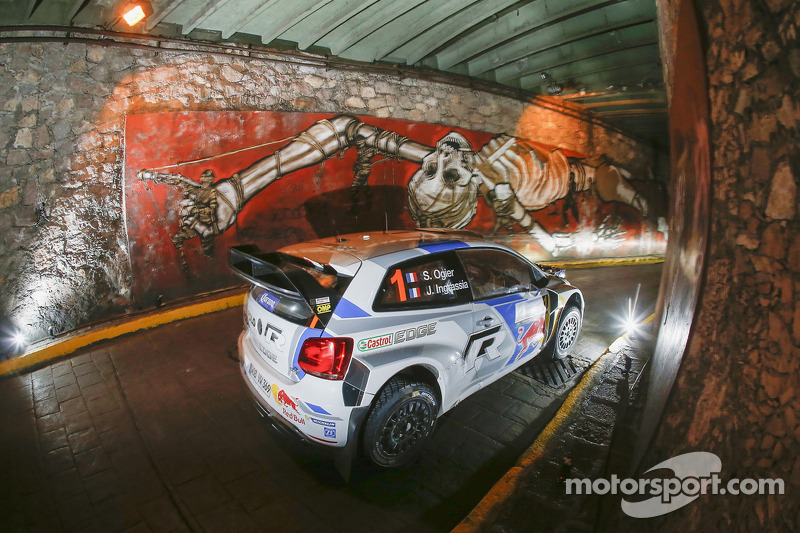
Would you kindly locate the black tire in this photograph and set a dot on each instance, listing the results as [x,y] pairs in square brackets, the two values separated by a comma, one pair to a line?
[400,422]
[566,334]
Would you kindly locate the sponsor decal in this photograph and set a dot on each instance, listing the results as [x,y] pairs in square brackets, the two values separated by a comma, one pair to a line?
[413,293]
[424,394]
[527,310]
[530,337]
[326,423]
[275,338]
[317,409]
[320,301]
[283,399]
[372,343]
[266,354]
[323,308]
[294,417]
[415,333]
[483,343]
[330,433]
[403,335]
[268,301]
[411,277]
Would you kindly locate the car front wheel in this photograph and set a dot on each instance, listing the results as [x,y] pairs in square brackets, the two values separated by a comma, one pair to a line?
[565,337]
[400,422]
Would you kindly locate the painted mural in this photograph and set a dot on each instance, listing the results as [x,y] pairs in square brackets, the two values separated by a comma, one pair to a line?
[199,182]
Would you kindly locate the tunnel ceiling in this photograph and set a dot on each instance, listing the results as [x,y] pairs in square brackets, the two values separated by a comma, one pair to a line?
[601,54]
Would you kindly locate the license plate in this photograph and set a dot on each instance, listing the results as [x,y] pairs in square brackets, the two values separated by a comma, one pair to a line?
[258,379]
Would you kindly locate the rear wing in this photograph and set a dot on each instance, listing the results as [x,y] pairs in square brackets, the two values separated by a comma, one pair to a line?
[280,295]
[248,263]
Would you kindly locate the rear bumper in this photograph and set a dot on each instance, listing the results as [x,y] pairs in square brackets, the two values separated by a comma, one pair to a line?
[350,425]
[270,415]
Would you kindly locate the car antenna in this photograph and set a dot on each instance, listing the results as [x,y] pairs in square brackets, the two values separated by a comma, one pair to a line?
[336,230]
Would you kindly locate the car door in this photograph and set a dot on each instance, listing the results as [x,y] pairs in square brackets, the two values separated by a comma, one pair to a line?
[428,291]
[509,312]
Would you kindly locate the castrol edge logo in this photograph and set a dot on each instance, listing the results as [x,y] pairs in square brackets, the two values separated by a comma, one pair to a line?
[397,337]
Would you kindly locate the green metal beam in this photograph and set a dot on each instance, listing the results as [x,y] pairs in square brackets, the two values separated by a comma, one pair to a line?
[607,18]
[644,55]
[363,24]
[403,29]
[325,20]
[513,25]
[581,48]
[449,29]
[270,27]
[233,20]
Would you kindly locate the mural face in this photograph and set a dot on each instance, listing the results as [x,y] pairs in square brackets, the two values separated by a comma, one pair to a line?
[199,182]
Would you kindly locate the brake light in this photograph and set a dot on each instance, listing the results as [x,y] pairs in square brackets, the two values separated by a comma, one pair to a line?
[326,358]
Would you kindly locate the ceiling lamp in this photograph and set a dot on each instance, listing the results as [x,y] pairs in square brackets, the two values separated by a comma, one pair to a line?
[135,12]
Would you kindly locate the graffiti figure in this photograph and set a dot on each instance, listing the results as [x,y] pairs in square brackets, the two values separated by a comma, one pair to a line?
[200,207]
[570,202]
[511,175]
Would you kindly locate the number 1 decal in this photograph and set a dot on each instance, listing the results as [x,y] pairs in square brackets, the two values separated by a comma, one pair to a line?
[401,284]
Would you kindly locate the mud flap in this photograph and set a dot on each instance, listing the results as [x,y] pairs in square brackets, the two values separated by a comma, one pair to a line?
[343,457]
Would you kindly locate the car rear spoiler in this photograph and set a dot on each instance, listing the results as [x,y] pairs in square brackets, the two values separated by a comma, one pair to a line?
[248,263]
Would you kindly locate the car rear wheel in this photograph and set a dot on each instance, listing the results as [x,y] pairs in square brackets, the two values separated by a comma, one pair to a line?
[566,335]
[400,422]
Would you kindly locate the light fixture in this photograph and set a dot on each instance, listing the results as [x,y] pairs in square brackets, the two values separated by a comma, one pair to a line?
[18,339]
[12,340]
[135,12]
[631,321]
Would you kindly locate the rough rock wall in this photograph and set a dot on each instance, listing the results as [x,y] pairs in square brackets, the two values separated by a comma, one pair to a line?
[63,260]
[738,392]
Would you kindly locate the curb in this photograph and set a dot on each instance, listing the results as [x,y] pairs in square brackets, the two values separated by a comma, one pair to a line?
[595,263]
[92,335]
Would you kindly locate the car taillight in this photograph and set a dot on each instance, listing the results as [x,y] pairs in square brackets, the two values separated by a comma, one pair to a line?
[326,357]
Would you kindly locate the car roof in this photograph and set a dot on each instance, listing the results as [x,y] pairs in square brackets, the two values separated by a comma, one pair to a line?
[345,252]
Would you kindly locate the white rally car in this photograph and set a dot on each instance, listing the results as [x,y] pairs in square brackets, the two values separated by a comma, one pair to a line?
[361,341]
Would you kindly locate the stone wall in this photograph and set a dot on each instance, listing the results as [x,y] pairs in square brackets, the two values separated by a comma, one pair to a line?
[63,260]
[737,392]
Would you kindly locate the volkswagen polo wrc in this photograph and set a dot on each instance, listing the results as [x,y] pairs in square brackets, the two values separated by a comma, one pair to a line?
[360,342]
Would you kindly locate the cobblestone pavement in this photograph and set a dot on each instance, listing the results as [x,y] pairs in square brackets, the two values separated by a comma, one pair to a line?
[156,432]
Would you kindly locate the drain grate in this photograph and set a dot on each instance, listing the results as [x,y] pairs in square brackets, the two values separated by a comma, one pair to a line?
[554,373]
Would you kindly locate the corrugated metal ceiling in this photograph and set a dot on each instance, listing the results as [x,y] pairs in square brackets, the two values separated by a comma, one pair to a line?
[602,54]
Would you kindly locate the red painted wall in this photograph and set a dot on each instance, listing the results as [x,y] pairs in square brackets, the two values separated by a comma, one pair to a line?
[316,201]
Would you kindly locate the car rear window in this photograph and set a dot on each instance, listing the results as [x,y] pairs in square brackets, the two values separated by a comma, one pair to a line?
[430,281]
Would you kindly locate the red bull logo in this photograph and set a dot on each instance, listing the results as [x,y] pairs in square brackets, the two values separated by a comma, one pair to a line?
[531,337]
[285,400]
[282,398]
